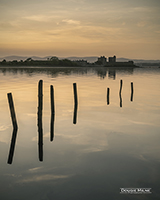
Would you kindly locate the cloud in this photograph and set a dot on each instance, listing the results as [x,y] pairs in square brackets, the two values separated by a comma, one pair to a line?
[39,18]
[41,26]
[70,21]
[141,24]
[142,9]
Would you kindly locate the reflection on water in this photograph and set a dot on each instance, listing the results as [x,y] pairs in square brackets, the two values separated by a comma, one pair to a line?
[112,74]
[40,128]
[52,127]
[54,72]
[131,91]
[75,114]
[12,146]
[15,128]
[108,96]
[75,103]
[52,113]
[120,91]
[111,147]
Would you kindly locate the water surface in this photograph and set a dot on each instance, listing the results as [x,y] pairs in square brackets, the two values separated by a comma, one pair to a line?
[110,147]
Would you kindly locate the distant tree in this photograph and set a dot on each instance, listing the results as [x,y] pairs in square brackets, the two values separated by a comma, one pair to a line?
[28,60]
[98,62]
[66,62]
[4,61]
[53,58]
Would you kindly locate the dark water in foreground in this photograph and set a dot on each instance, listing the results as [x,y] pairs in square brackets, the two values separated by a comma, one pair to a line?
[110,147]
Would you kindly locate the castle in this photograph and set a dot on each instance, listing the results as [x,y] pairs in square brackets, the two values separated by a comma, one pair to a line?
[103,59]
[112,62]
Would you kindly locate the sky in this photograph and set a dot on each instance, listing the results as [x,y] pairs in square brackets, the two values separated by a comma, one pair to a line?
[125,28]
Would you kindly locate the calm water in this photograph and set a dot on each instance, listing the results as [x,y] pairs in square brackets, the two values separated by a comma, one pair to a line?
[110,147]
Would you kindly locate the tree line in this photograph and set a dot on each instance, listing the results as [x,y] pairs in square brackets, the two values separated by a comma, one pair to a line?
[53,61]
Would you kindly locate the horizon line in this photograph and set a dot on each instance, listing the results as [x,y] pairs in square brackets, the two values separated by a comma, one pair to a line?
[74,56]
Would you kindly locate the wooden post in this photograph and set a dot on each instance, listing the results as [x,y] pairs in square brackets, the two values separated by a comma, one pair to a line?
[40,129]
[12,111]
[75,103]
[75,93]
[15,128]
[108,90]
[52,113]
[131,91]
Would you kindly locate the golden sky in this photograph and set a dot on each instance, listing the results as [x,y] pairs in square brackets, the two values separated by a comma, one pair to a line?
[126,28]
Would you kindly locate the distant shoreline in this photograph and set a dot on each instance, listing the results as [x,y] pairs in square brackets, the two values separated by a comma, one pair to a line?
[56,62]
[87,66]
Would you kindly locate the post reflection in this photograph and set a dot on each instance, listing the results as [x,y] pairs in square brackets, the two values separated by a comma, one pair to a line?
[131,91]
[108,90]
[52,127]
[15,128]
[40,139]
[120,91]
[120,97]
[75,114]
[40,129]
[12,146]
[75,103]
[52,113]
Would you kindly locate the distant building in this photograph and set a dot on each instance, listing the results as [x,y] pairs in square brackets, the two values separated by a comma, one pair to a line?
[102,60]
[112,59]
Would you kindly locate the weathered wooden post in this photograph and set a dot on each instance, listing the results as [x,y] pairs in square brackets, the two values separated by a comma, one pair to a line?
[120,91]
[131,91]
[15,128]
[108,90]
[12,111]
[75,103]
[75,93]
[40,129]
[52,113]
